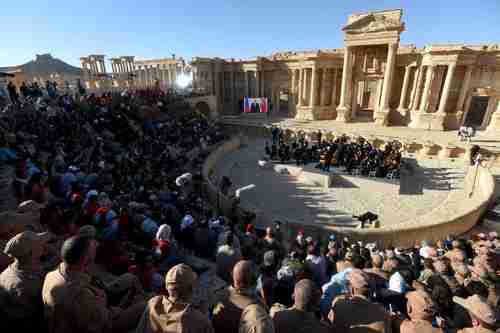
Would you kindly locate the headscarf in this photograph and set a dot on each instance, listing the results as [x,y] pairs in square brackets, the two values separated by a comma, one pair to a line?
[164,232]
[397,283]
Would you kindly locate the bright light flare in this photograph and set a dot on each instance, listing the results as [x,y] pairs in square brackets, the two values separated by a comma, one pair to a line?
[184,80]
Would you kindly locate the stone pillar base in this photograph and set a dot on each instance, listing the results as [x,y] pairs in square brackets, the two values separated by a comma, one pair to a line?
[437,121]
[428,121]
[315,113]
[494,122]
[401,117]
[343,114]
[459,115]
[448,151]
[452,121]
[381,118]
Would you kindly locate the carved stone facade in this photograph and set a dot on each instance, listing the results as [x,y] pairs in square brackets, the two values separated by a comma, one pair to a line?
[372,79]
[161,72]
[130,73]
[94,72]
[123,71]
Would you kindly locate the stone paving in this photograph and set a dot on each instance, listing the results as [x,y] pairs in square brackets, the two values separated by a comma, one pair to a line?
[283,197]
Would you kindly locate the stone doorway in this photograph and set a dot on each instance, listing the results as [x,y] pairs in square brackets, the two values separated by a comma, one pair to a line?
[477,111]
[283,97]
[368,100]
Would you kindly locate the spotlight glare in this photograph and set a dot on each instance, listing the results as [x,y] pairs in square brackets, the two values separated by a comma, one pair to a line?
[184,80]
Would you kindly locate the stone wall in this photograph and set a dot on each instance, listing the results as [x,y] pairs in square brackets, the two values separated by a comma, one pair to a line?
[457,215]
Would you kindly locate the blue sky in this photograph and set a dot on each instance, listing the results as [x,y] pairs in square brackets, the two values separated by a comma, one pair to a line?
[238,28]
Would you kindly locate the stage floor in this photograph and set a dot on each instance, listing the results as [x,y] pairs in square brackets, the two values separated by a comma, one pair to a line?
[487,140]
[424,185]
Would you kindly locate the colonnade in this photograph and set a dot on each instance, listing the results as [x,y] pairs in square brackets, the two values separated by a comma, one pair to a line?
[422,107]
[93,64]
[122,65]
[315,86]
[148,75]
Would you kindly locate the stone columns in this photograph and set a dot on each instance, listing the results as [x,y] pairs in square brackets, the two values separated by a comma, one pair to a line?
[293,87]
[257,83]
[247,86]
[334,88]
[402,101]
[417,81]
[440,116]
[427,86]
[223,88]
[346,74]
[494,125]
[299,87]
[381,117]
[217,86]
[314,83]
[233,85]
[343,110]
[446,88]
[262,83]
[304,88]
[463,93]
[323,87]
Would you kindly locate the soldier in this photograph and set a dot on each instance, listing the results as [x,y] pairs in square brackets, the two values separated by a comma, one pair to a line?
[420,309]
[357,313]
[301,317]
[238,308]
[175,313]
[21,283]
[74,302]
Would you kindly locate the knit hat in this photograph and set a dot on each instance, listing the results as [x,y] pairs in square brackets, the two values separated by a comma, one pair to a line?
[269,258]
[181,275]
[22,244]
[250,228]
[87,231]
[29,206]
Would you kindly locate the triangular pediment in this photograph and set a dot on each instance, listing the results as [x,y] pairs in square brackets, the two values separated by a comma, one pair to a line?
[373,23]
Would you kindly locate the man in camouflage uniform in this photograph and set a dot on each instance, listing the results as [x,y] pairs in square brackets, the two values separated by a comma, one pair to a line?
[175,312]
[357,313]
[21,283]
[74,302]
[301,317]
[238,308]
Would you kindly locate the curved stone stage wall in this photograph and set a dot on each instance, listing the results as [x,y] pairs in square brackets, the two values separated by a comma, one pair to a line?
[457,215]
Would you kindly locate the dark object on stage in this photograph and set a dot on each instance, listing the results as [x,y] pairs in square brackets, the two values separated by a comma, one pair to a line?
[366,217]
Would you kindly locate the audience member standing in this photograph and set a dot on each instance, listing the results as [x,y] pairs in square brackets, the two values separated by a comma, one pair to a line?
[238,308]
[301,318]
[21,305]
[175,313]
[357,313]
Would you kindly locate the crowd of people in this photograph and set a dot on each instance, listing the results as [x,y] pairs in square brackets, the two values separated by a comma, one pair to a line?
[357,156]
[105,228]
